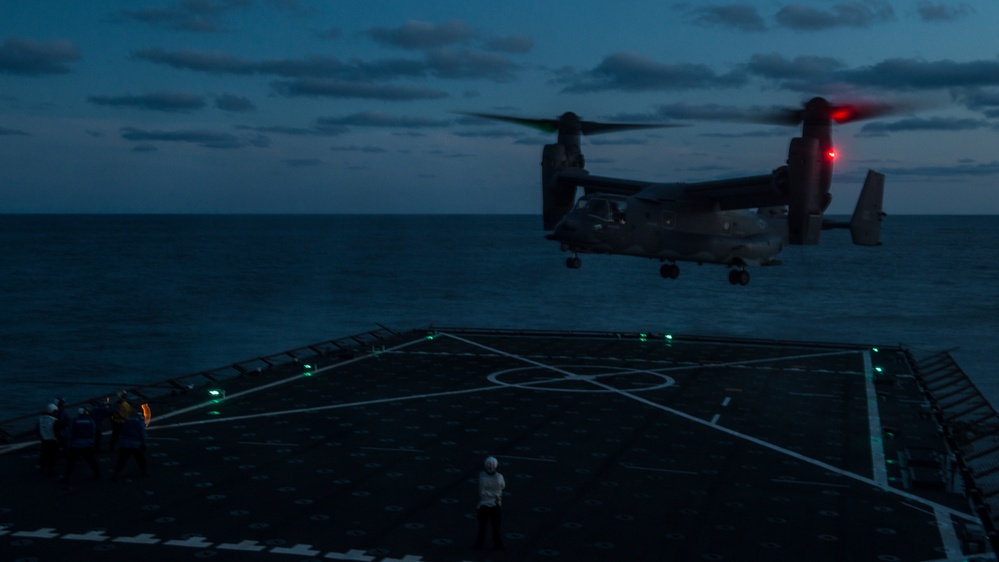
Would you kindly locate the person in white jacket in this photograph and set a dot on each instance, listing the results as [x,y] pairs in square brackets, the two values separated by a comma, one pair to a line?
[491,486]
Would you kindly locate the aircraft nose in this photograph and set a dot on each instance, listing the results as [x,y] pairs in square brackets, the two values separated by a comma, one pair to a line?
[571,223]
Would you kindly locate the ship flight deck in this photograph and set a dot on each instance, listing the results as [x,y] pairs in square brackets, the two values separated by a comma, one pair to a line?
[614,446]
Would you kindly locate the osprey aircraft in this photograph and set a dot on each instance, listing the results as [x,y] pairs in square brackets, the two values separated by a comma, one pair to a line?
[738,222]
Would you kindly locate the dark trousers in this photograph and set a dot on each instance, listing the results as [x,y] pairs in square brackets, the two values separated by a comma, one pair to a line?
[115,434]
[490,515]
[124,453]
[87,454]
[47,456]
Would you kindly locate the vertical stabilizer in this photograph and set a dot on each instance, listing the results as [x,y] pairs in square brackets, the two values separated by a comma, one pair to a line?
[865,226]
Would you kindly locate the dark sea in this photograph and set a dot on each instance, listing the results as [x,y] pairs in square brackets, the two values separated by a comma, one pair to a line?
[95,303]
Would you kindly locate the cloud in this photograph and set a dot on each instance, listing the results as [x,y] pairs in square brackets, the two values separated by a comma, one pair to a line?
[978,99]
[4,131]
[470,63]
[634,72]
[234,104]
[214,62]
[962,170]
[202,16]
[512,44]
[812,74]
[324,130]
[318,87]
[423,35]
[376,119]
[160,101]
[28,57]
[933,12]
[689,111]
[442,63]
[918,74]
[920,124]
[742,17]
[355,148]
[206,139]
[847,14]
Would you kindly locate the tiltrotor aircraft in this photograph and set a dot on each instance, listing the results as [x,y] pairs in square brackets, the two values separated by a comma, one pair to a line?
[705,222]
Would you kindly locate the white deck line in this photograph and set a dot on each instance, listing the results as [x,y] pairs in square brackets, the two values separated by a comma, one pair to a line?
[879,469]
[834,469]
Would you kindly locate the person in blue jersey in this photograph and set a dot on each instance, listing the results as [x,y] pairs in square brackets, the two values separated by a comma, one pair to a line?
[80,444]
[49,441]
[132,443]
[490,510]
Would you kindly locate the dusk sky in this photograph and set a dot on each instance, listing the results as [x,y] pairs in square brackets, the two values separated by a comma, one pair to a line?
[330,106]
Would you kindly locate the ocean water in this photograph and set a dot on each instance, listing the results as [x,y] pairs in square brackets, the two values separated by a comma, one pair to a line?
[89,304]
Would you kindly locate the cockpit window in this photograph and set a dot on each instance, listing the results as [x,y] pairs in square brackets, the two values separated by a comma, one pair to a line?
[604,209]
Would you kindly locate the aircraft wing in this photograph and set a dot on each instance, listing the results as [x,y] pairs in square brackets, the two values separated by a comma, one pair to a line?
[747,192]
[601,184]
[768,190]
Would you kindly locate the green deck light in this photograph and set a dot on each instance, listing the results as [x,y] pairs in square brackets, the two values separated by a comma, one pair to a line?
[216,395]
[878,369]
[669,336]
[308,370]
[874,349]
[643,337]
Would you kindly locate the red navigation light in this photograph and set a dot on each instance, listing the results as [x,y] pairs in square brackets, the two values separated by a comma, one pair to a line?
[831,154]
[841,115]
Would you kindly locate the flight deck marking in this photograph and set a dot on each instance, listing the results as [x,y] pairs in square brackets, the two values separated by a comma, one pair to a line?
[536,459]
[807,483]
[750,438]
[668,470]
[880,466]
[282,381]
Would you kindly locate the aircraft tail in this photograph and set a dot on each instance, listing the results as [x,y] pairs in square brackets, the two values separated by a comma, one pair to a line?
[865,225]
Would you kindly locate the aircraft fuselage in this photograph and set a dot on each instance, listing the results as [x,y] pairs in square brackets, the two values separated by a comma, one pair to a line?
[670,231]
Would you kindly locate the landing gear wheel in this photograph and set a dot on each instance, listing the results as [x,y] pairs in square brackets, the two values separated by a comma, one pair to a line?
[738,277]
[573,262]
[669,270]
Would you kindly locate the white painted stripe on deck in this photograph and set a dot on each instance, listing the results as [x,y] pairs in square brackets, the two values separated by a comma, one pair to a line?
[948,536]
[667,470]
[751,439]
[879,468]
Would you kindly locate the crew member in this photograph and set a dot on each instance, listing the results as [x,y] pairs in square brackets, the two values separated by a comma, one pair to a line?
[49,440]
[491,486]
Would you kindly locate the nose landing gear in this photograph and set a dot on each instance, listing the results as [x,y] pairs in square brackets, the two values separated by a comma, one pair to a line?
[573,262]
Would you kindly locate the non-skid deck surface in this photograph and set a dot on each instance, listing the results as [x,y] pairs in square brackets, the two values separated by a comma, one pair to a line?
[613,448]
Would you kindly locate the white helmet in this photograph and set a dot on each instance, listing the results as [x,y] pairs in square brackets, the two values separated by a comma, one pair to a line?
[491,463]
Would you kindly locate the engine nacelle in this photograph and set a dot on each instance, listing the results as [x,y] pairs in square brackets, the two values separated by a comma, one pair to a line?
[807,198]
[557,199]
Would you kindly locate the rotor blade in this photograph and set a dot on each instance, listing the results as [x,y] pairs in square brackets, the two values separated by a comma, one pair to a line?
[570,120]
[778,117]
[858,111]
[545,125]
